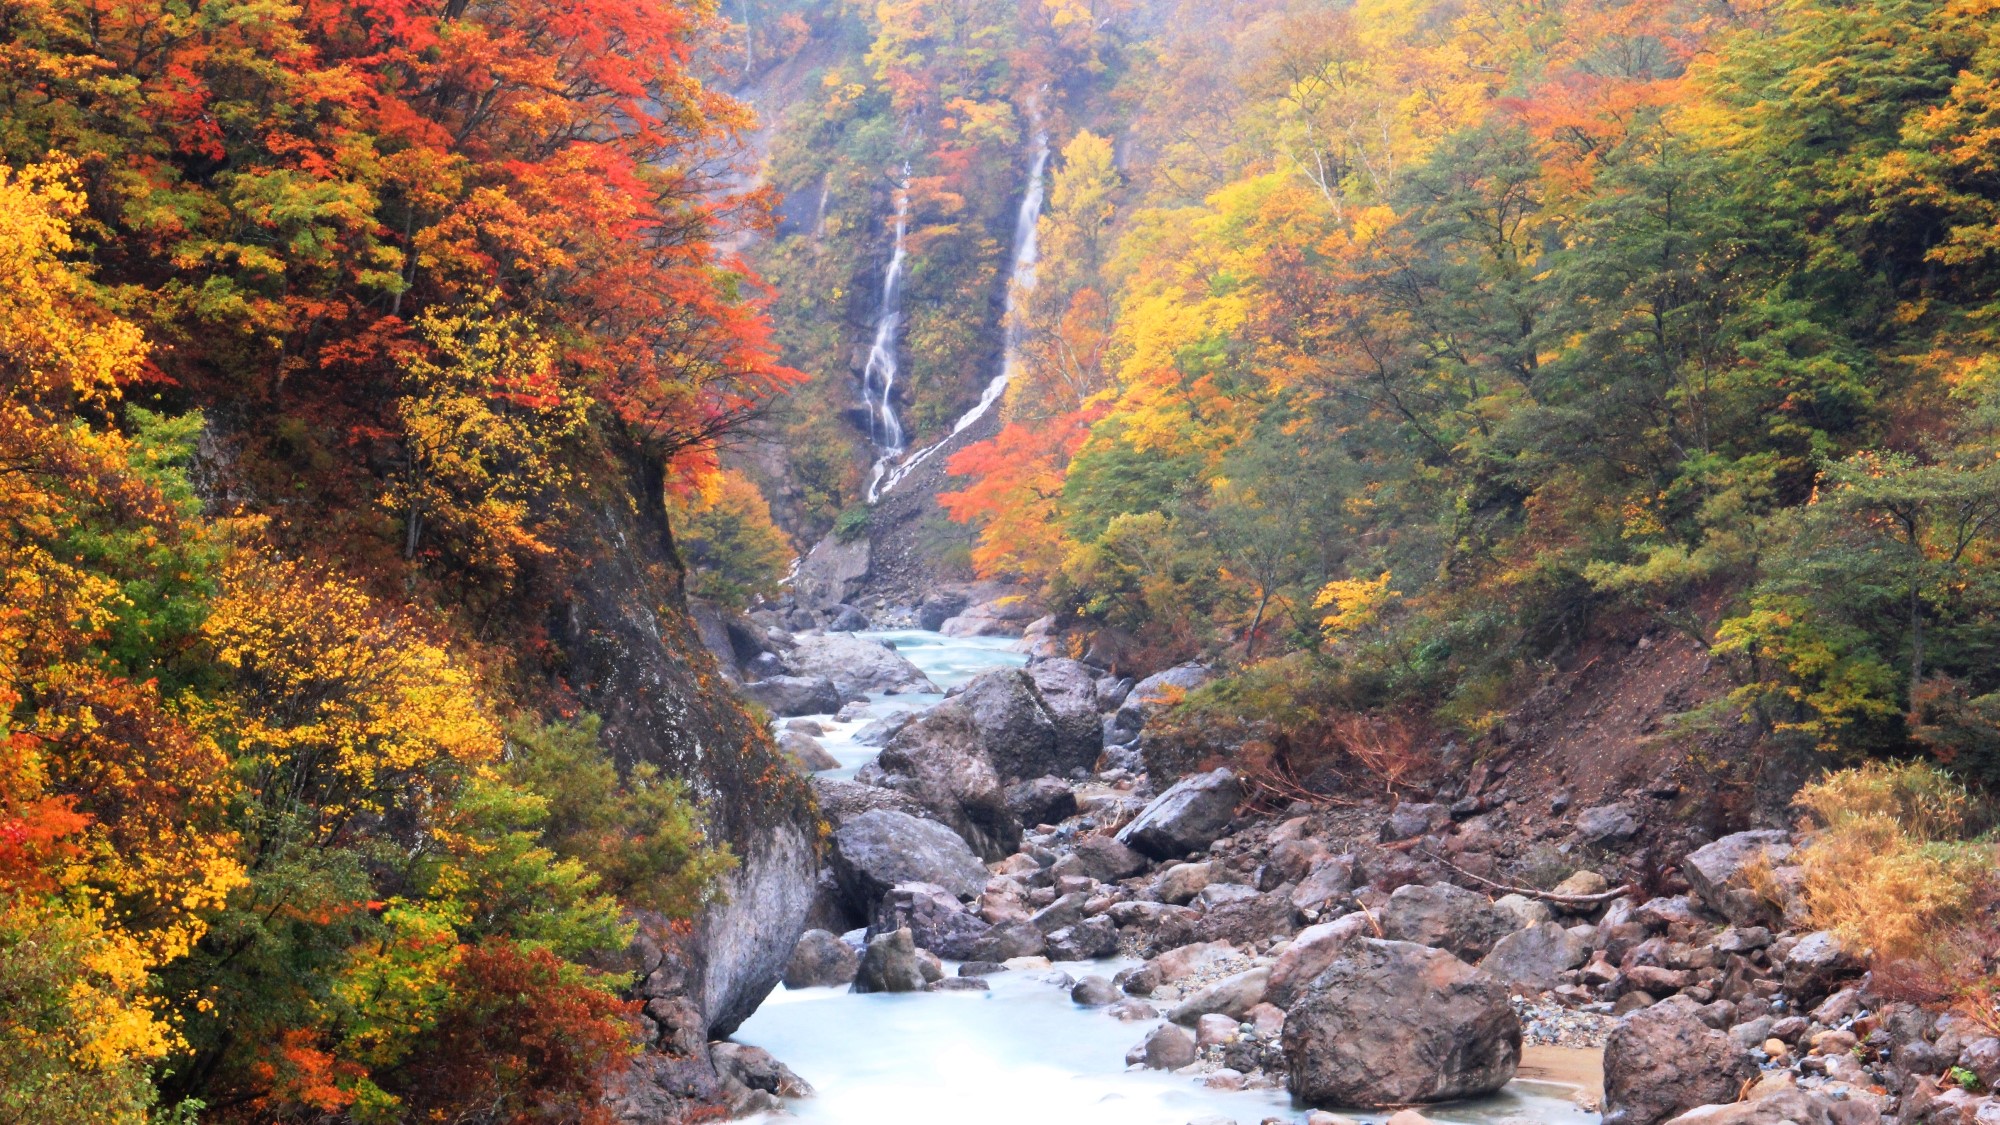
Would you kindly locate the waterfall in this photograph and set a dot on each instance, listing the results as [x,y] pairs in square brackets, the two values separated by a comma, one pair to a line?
[878,378]
[1027,253]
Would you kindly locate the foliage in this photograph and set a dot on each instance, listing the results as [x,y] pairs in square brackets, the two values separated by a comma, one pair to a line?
[727,539]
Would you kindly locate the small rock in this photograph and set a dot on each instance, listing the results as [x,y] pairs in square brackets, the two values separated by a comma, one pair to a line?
[1169,1048]
[1585,882]
[1224,1079]
[1607,824]
[1094,992]
[820,958]
[1214,1030]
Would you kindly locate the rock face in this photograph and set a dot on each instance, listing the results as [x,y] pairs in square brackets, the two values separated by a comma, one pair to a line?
[1309,954]
[819,959]
[890,965]
[880,848]
[1718,872]
[1389,1022]
[854,664]
[1662,1061]
[785,696]
[746,941]
[1446,917]
[1191,814]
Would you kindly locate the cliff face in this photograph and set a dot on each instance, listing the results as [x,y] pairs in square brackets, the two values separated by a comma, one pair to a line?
[630,653]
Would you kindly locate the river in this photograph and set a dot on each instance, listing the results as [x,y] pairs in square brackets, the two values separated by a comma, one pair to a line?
[1022,1054]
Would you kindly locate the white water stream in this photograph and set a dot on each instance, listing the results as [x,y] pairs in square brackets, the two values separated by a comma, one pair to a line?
[1021,279]
[1022,1054]
[878,378]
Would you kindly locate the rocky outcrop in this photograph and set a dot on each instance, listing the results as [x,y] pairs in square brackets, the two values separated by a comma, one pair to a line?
[1191,814]
[1663,1061]
[854,664]
[1390,1023]
[881,848]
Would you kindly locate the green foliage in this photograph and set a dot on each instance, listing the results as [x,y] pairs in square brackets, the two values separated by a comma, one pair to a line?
[851,524]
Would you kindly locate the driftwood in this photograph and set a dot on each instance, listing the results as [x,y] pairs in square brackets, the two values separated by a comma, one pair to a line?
[1546,896]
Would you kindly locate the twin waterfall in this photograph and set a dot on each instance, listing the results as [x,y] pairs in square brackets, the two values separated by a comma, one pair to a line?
[879,378]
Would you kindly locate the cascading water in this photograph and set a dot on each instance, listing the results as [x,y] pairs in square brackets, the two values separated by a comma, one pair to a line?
[1027,254]
[878,378]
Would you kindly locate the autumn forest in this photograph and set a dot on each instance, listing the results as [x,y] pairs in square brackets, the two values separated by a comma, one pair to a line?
[378,376]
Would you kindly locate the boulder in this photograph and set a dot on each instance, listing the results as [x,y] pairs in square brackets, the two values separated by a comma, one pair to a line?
[1662,1061]
[1191,814]
[1154,694]
[1787,1107]
[1310,953]
[1816,962]
[937,762]
[1232,996]
[1248,919]
[1719,873]
[845,619]
[1008,940]
[1534,958]
[821,959]
[1095,992]
[880,848]
[794,695]
[1021,732]
[1106,860]
[841,801]
[1446,917]
[939,608]
[937,921]
[1180,883]
[1607,824]
[1084,941]
[1168,1048]
[807,752]
[1005,616]
[890,965]
[753,1081]
[1069,690]
[1393,1023]
[832,571]
[1412,819]
[1042,800]
[854,664]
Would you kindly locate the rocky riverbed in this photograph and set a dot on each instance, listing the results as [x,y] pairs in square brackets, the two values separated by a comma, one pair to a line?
[1019,921]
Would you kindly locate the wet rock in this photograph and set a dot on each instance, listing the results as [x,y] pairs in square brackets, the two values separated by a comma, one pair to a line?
[890,965]
[1232,996]
[1536,957]
[935,918]
[855,665]
[1718,872]
[1043,800]
[1085,941]
[1390,1022]
[752,1080]
[807,752]
[794,695]
[1008,940]
[1132,1010]
[1661,1061]
[1168,1048]
[819,959]
[878,849]
[960,983]
[845,619]
[1095,992]
[1446,917]
[1191,814]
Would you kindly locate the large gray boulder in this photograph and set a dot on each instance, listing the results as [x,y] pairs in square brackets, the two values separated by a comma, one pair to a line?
[1392,1023]
[745,940]
[1534,958]
[1446,917]
[1021,732]
[1191,814]
[854,664]
[937,921]
[937,762]
[785,696]
[1662,1061]
[880,848]
[1069,690]
[890,965]
[819,959]
[1720,873]
[1309,954]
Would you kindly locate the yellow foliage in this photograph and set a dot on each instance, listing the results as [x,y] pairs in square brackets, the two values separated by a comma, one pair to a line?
[1886,866]
[54,341]
[337,705]
[1357,603]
